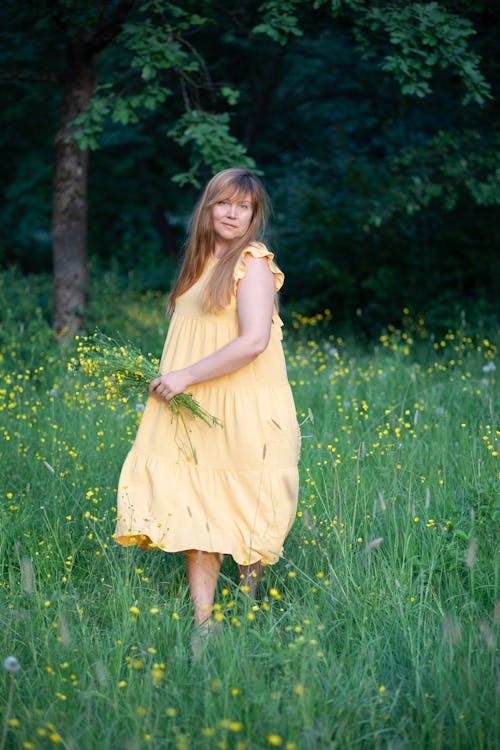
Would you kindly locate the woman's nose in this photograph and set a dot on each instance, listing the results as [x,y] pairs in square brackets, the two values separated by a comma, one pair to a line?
[231,209]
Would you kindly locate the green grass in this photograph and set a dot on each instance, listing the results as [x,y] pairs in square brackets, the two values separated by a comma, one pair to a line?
[377,629]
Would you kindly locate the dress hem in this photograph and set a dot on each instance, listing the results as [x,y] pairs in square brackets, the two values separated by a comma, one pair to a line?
[144,542]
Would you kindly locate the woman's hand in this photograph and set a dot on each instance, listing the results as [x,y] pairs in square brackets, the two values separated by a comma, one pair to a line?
[169,385]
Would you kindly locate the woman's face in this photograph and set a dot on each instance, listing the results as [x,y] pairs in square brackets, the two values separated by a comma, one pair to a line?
[231,219]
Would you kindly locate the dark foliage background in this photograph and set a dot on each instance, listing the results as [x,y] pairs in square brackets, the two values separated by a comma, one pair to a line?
[373,204]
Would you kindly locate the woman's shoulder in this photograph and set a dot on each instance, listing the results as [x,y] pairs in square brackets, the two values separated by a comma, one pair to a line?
[258,250]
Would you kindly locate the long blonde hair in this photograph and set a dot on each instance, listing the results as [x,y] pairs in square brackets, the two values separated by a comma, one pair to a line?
[200,242]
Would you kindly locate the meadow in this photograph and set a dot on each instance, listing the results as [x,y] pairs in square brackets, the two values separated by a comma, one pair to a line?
[377,629]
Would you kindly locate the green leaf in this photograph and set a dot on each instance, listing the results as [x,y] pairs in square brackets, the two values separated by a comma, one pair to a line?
[148,73]
[210,144]
[280,20]
[424,37]
[230,94]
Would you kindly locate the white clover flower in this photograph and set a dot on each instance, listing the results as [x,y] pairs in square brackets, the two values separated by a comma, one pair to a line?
[490,367]
[139,408]
[11,664]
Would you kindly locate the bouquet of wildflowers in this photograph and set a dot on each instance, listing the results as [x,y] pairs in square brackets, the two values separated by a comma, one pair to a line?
[127,372]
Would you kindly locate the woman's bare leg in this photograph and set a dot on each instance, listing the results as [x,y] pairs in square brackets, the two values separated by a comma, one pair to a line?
[250,576]
[202,570]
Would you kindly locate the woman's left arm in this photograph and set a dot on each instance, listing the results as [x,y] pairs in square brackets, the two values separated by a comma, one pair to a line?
[255,303]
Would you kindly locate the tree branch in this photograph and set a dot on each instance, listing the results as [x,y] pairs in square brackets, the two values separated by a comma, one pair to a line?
[108,29]
[30,75]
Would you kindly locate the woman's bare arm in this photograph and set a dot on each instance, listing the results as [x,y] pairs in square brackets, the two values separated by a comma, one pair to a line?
[255,301]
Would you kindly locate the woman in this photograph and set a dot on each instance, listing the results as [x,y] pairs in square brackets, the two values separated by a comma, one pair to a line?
[229,489]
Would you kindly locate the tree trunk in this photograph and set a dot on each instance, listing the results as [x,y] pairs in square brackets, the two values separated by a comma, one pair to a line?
[69,211]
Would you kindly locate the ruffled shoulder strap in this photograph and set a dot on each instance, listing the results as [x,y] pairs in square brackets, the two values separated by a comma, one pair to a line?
[258,250]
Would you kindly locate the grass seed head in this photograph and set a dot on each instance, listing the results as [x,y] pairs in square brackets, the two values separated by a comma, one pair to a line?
[11,664]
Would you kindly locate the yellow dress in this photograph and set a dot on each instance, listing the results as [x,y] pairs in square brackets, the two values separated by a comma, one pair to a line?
[230,489]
